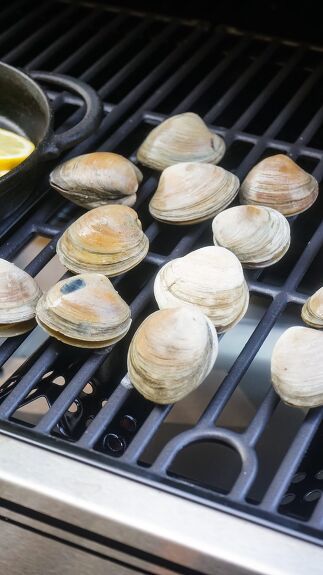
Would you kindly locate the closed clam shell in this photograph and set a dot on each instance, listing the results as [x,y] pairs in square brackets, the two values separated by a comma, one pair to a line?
[181,138]
[211,278]
[312,311]
[108,240]
[171,353]
[84,311]
[257,235]
[279,183]
[191,192]
[19,294]
[297,367]
[97,179]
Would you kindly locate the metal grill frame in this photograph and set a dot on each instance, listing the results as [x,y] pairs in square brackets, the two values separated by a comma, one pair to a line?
[115,128]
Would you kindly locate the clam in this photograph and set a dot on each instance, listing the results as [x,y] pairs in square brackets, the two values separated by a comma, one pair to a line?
[84,311]
[19,294]
[312,312]
[211,278]
[108,240]
[257,235]
[181,138]
[97,179]
[171,353]
[277,182]
[191,192]
[297,367]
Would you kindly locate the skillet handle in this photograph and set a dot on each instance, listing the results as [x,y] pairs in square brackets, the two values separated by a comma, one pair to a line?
[90,120]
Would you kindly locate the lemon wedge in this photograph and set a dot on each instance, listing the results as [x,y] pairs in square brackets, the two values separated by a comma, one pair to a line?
[14,149]
[3,172]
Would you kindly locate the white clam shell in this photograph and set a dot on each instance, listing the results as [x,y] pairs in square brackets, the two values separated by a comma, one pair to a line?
[211,278]
[278,182]
[19,294]
[97,179]
[181,138]
[84,311]
[297,367]
[107,240]
[171,353]
[312,311]
[191,192]
[257,235]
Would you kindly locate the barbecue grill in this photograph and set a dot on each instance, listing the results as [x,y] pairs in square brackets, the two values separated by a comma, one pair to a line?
[92,475]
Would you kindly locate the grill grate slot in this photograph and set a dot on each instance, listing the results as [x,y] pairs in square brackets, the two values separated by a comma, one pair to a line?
[257,94]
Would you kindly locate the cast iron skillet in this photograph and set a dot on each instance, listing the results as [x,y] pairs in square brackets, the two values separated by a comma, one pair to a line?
[25,109]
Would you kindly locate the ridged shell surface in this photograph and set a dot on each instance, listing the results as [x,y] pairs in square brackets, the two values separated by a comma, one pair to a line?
[191,192]
[181,138]
[171,353]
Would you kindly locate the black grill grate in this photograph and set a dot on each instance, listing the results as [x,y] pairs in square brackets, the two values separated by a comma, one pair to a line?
[263,96]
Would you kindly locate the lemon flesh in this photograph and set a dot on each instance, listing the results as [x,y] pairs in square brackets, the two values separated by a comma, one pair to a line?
[14,149]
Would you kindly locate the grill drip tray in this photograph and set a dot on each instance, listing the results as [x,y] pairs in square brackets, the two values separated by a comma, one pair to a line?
[231,445]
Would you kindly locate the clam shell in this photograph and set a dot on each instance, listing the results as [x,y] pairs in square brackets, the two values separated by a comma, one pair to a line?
[190,192]
[211,278]
[171,353]
[181,138]
[97,179]
[108,240]
[277,182]
[312,312]
[297,367]
[84,311]
[257,235]
[19,294]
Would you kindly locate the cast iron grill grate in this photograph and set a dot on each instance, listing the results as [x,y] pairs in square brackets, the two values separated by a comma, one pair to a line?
[263,96]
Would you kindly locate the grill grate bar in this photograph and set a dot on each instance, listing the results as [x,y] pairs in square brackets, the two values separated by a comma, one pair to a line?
[241,82]
[146,433]
[104,417]
[243,361]
[38,35]
[168,85]
[19,238]
[281,119]
[110,56]
[14,30]
[291,461]
[137,60]
[119,129]
[39,60]
[204,84]
[89,45]
[28,381]
[153,118]
[260,420]
[251,112]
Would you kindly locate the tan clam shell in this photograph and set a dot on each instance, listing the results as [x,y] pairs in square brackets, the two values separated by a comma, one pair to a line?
[19,294]
[278,182]
[191,192]
[181,138]
[312,311]
[257,235]
[297,367]
[171,353]
[211,278]
[108,240]
[84,311]
[97,179]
